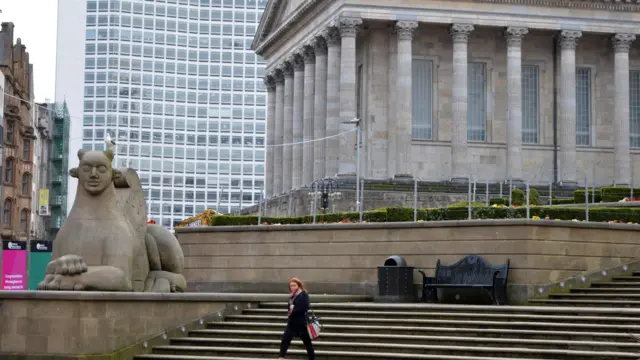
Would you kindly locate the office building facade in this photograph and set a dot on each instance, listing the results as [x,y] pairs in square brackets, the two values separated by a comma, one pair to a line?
[174,83]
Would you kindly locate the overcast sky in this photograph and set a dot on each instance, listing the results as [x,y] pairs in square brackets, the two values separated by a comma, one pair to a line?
[35,24]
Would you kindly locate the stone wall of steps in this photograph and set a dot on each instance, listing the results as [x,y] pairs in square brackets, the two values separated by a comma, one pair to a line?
[370,331]
[617,291]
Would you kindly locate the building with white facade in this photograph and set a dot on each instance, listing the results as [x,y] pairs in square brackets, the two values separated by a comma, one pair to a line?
[540,91]
[176,86]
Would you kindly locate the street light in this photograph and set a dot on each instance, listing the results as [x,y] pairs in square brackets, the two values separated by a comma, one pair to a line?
[327,188]
[356,121]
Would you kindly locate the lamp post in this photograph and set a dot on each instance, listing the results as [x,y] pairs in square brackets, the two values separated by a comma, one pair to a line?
[356,121]
[326,187]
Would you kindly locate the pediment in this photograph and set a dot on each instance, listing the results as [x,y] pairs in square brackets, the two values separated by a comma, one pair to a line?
[276,13]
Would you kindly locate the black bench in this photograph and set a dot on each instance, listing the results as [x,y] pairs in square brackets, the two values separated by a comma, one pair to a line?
[470,272]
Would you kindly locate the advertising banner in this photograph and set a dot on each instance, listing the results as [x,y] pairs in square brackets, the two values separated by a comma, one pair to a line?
[14,265]
[39,258]
[43,203]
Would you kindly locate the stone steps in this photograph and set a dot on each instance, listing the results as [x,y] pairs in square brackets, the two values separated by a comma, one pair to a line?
[620,291]
[494,315]
[361,330]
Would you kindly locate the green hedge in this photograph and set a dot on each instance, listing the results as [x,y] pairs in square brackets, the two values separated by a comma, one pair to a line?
[578,196]
[614,194]
[399,214]
[556,201]
[498,201]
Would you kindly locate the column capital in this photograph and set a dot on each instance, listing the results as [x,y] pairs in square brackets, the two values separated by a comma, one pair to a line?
[319,44]
[297,61]
[622,42]
[278,76]
[287,67]
[270,81]
[460,32]
[568,39]
[331,35]
[348,26]
[515,34]
[308,53]
[405,29]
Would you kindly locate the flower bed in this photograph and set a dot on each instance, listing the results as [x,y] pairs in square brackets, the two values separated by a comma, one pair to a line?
[399,214]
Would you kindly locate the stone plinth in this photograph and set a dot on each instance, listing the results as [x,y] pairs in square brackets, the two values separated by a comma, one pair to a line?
[114,326]
[340,258]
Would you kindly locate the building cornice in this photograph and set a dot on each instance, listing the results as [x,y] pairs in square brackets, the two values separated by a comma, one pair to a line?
[264,38]
[610,5]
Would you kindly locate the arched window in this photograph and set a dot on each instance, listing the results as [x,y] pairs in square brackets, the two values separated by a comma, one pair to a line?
[24,220]
[8,171]
[26,184]
[6,212]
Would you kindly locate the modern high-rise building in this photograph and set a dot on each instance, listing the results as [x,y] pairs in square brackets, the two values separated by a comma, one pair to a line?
[175,84]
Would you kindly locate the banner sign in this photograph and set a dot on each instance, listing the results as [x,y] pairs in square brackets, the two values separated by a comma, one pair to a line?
[39,258]
[43,203]
[14,265]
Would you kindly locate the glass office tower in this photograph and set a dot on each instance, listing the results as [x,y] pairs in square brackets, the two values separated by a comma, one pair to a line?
[174,83]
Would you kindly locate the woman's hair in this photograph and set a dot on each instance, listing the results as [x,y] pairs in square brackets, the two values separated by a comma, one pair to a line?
[297,281]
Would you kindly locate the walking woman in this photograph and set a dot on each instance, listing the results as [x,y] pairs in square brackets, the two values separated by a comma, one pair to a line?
[297,321]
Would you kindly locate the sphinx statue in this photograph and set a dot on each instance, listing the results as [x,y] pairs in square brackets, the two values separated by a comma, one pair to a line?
[105,243]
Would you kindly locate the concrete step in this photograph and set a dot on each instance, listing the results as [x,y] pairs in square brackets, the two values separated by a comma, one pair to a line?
[323,355]
[371,321]
[450,315]
[343,350]
[626,278]
[590,303]
[431,307]
[615,284]
[568,334]
[608,290]
[596,296]
[227,338]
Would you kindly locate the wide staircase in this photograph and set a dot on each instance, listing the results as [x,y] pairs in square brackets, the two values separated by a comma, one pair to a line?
[422,331]
[619,291]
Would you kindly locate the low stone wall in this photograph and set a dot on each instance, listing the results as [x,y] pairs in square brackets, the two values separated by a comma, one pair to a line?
[299,203]
[343,258]
[73,325]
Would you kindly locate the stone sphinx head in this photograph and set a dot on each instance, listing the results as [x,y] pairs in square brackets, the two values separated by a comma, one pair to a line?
[95,172]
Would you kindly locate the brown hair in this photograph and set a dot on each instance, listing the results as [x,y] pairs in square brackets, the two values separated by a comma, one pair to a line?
[297,281]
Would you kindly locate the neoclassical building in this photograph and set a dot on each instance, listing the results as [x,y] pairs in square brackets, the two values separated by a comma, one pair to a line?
[534,90]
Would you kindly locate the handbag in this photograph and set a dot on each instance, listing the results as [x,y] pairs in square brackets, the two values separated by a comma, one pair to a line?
[314,327]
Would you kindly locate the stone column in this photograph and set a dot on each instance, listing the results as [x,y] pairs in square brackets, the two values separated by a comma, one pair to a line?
[621,145]
[298,106]
[404,93]
[332,36]
[287,148]
[308,114]
[348,27]
[460,164]
[278,139]
[514,37]
[567,107]
[270,84]
[320,108]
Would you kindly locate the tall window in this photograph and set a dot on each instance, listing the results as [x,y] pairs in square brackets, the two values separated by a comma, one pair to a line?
[24,220]
[634,108]
[422,99]
[8,171]
[26,184]
[583,106]
[530,104]
[26,150]
[10,133]
[477,98]
[6,214]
